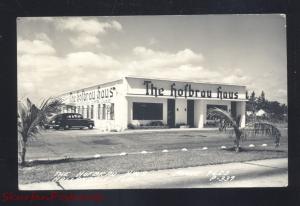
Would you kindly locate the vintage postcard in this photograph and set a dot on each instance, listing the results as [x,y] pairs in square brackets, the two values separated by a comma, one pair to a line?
[129,102]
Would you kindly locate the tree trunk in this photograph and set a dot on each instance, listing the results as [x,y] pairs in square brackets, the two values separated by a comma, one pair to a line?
[23,153]
[237,138]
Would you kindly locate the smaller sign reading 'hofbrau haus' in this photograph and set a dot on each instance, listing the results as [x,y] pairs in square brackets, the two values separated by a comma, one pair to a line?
[95,94]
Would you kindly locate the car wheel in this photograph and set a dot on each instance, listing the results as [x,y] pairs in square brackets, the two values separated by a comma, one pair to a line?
[90,126]
[57,128]
[67,126]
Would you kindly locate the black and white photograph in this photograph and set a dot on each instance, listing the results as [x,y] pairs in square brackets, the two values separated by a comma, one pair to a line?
[161,101]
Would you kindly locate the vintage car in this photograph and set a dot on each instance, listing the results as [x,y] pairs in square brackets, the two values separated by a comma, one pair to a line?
[70,120]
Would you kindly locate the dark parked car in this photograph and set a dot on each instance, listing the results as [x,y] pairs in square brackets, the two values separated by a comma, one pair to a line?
[47,122]
[69,120]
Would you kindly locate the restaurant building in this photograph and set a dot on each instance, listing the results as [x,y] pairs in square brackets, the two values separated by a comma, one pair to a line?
[141,101]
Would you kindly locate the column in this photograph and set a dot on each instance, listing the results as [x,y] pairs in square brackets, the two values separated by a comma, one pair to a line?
[241,110]
[199,113]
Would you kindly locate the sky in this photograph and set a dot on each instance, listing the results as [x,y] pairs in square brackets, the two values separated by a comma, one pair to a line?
[60,54]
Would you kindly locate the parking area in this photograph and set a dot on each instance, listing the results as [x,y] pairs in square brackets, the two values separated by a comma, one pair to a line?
[53,143]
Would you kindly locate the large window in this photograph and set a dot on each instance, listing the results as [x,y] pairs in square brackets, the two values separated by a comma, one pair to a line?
[103,112]
[223,107]
[210,106]
[88,111]
[112,111]
[147,111]
[92,111]
[99,112]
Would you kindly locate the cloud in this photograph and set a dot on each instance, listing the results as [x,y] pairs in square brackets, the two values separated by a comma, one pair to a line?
[184,64]
[148,59]
[34,63]
[42,71]
[116,25]
[34,47]
[42,75]
[43,37]
[82,31]
[86,30]
[90,59]
[90,26]
[281,95]
[282,92]
[85,40]
[236,76]
[44,19]
[153,41]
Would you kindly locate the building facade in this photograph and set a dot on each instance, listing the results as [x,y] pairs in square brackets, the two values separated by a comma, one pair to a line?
[140,101]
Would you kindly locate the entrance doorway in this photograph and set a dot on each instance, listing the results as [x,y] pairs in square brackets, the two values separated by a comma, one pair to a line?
[171,113]
[190,113]
[233,109]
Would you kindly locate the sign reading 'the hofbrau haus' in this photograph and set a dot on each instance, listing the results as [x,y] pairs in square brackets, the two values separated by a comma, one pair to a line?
[188,91]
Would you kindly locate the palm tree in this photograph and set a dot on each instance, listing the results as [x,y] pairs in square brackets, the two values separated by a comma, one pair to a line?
[261,128]
[30,118]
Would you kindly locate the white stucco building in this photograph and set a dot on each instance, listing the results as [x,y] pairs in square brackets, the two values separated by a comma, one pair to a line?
[135,100]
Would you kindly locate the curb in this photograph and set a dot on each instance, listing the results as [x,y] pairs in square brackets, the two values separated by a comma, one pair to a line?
[53,160]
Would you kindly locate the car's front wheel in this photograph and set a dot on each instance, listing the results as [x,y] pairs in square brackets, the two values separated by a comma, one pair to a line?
[67,127]
[90,126]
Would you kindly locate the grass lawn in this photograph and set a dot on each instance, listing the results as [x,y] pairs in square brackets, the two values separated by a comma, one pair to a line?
[156,160]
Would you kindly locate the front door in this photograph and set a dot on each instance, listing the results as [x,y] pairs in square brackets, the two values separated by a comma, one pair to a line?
[190,113]
[171,113]
[70,120]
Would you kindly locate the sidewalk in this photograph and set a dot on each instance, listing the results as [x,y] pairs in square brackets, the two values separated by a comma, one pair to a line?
[259,173]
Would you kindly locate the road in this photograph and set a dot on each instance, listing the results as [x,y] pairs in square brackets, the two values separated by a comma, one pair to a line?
[259,173]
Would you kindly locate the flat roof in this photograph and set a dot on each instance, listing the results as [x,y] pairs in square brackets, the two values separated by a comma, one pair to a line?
[179,80]
[90,87]
[150,78]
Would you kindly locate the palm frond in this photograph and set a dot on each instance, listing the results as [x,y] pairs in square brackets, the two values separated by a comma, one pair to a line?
[220,114]
[223,115]
[51,105]
[29,104]
[266,129]
[258,128]
[30,116]
[29,119]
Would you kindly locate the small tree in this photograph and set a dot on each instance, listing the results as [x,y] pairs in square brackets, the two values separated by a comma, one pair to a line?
[29,119]
[252,102]
[258,127]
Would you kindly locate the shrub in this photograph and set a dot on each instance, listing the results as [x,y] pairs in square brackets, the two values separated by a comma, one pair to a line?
[130,126]
[156,123]
[179,124]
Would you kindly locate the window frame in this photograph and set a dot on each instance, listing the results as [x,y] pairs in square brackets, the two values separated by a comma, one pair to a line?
[147,113]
